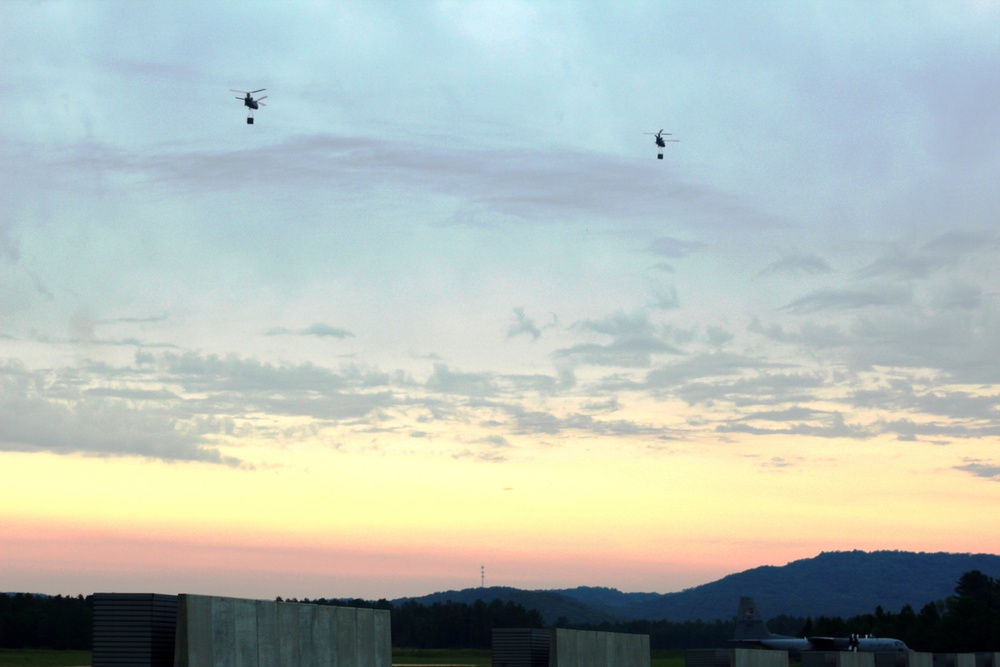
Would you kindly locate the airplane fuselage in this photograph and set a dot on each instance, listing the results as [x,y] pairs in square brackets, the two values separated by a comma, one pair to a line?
[751,630]
[800,644]
[790,644]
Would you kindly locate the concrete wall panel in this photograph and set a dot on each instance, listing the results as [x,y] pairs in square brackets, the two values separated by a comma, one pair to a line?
[196,610]
[383,641]
[223,631]
[323,632]
[837,659]
[308,655]
[288,638]
[230,632]
[587,648]
[347,637]
[743,657]
[268,643]
[245,625]
[366,631]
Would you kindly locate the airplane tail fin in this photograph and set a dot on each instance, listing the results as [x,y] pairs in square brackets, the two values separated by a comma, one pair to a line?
[749,623]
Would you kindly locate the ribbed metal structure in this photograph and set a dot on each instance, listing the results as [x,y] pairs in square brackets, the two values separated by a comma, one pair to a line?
[520,647]
[134,629]
[708,657]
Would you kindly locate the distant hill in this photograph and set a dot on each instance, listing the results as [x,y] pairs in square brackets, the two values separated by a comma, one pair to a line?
[552,605]
[839,583]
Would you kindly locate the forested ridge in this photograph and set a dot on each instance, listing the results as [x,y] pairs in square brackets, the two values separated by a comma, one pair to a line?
[968,620]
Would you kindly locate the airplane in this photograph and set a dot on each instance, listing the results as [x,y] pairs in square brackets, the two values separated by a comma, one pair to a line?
[250,102]
[751,630]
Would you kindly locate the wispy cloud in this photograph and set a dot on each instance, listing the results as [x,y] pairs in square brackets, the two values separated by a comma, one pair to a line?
[848,299]
[319,330]
[798,264]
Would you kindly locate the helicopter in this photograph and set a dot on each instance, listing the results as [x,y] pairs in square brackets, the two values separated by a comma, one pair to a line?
[661,142]
[250,102]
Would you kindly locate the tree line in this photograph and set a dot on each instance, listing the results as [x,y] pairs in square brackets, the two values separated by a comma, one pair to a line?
[967,621]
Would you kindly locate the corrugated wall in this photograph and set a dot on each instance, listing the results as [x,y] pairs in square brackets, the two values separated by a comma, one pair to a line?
[134,629]
[520,647]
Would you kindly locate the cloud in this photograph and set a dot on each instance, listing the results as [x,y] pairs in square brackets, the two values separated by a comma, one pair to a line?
[36,416]
[798,264]
[540,422]
[446,381]
[524,325]
[508,187]
[673,248]
[942,252]
[627,352]
[958,296]
[320,330]
[677,374]
[830,425]
[845,299]
[665,298]
[979,469]
[10,251]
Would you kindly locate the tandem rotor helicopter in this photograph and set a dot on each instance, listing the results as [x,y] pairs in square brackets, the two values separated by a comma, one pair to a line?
[250,102]
[661,142]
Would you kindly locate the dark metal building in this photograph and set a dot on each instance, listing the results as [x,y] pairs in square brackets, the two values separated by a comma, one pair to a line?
[134,629]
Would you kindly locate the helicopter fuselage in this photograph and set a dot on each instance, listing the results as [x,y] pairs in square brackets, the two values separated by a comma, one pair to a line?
[250,102]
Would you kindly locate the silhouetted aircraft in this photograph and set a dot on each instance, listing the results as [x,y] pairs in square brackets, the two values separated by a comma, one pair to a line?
[661,142]
[250,102]
[751,630]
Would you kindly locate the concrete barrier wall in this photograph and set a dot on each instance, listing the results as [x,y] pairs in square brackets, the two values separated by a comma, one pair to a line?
[837,659]
[751,657]
[708,657]
[233,632]
[954,660]
[587,648]
[905,659]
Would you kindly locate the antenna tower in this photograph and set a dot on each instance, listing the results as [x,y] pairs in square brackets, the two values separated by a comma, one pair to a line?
[482,576]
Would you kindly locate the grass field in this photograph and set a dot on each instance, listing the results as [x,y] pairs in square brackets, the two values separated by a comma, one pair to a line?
[43,658]
[401,657]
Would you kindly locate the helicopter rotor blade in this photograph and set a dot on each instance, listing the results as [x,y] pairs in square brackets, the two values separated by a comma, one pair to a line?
[237,91]
[262,98]
[257,91]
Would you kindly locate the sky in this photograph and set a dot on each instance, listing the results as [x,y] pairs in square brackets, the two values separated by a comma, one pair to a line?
[440,317]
